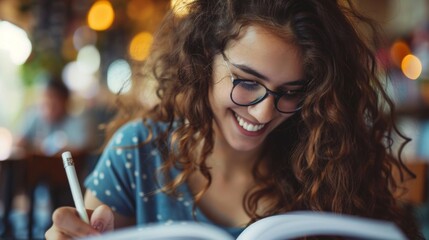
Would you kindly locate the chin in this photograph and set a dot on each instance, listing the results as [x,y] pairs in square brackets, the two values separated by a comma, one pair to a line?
[245,144]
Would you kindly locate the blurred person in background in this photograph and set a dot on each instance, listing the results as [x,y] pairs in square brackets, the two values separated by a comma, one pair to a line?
[49,128]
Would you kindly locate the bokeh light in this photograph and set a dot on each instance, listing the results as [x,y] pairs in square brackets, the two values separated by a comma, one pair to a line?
[101,15]
[15,42]
[140,46]
[83,83]
[180,6]
[411,67]
[88,59]
[84,36]
[398,51]
[6,142]
[119,76]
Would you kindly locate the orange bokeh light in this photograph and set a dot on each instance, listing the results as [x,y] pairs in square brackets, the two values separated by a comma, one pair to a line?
[411,67]
[180,6]
[140,46]
[101,15]
[398,51]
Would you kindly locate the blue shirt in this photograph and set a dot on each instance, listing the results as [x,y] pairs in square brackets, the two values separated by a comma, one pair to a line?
[124,179]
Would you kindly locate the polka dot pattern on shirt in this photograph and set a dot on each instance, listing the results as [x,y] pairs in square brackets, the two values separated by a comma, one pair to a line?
[124,179]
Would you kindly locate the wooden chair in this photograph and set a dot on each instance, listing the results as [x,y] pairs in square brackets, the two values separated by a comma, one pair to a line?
[27,172]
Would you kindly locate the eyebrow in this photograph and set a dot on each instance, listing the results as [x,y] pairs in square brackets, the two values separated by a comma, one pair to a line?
[248,70]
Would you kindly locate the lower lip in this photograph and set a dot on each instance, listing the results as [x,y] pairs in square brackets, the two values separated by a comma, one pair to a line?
[247,133]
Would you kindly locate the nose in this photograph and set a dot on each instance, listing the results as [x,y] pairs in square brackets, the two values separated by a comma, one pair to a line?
[263,111]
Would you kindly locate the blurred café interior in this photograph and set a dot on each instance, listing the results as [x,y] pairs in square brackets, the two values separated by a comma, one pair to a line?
[90,46]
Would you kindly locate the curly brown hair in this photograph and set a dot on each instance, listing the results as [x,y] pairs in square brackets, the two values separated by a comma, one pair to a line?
[333,155]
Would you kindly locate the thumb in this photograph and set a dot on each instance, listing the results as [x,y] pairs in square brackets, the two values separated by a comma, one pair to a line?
[102,219]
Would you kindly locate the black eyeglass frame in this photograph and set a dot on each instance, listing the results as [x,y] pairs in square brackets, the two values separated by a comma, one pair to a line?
[235,81]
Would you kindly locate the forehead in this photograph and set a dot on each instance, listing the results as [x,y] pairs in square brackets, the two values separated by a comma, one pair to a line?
[259,48]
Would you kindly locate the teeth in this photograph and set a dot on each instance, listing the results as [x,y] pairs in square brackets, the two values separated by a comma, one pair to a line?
[248,126]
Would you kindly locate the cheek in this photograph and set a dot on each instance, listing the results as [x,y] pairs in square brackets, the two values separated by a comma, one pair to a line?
[219,95]
[220,88]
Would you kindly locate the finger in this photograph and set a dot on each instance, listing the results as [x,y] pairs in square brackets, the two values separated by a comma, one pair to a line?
[67,221]
[102,219]
[54,233]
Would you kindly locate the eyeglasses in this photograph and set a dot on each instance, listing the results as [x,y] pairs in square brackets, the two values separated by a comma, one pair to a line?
[248,92]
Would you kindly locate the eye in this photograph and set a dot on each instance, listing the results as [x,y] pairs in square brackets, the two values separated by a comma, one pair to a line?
[293,93]
[248,85]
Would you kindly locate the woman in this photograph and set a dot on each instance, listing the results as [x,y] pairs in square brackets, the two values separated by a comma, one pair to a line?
[264,107]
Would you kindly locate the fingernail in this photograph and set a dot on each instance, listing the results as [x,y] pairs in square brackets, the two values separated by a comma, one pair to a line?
[98,226]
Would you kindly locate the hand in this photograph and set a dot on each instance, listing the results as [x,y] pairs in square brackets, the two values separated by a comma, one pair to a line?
[68,225]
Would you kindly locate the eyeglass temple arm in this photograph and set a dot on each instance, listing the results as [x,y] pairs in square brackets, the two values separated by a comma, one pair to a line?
[227,66]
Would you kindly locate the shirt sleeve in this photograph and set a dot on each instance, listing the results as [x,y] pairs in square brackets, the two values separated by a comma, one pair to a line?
[115,177]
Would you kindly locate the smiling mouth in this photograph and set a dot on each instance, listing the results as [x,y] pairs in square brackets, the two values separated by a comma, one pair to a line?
[248,126]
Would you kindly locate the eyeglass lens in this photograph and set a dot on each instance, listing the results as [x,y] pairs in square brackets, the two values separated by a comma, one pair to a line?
[249,92]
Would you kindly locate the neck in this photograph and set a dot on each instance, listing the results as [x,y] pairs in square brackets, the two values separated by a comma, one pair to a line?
[229,161]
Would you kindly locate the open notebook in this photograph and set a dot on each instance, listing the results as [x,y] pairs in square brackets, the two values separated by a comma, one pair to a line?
[284,226]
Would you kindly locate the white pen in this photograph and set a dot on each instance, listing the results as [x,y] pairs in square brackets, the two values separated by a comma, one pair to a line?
[74,185]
